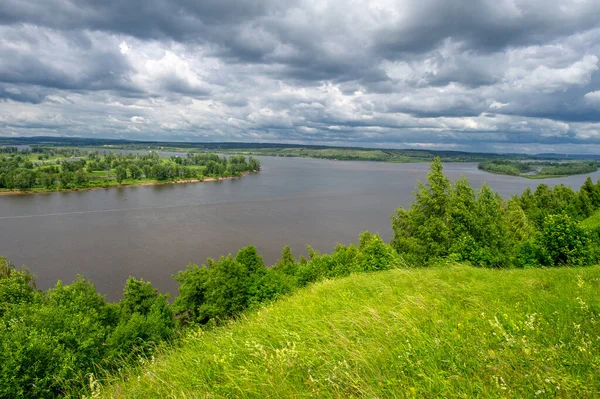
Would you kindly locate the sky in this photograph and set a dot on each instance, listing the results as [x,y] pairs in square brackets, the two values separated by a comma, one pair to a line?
[474,75]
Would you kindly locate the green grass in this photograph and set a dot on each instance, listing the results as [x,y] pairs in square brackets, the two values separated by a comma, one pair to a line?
[441,332]
[593,222]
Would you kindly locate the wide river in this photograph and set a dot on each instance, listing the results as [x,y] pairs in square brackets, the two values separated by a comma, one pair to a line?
[154,231]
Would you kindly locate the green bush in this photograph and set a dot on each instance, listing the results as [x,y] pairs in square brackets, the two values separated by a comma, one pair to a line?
[375,254]
[51,340]
[563,242]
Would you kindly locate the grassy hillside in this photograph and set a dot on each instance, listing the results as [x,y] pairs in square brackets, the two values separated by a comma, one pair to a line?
[593,222]
[452,332]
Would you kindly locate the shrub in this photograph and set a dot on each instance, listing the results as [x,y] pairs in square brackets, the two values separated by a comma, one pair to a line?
[375,254]
[563,242]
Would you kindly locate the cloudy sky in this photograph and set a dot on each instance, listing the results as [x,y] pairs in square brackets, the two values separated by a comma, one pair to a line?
[484,75]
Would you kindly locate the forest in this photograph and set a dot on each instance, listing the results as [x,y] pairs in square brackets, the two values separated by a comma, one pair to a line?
[62,340]
[538,169]
[41,169]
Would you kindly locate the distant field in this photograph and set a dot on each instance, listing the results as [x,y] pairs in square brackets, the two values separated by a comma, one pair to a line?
[453,332]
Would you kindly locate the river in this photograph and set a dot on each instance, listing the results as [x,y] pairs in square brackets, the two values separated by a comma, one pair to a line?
[154,231]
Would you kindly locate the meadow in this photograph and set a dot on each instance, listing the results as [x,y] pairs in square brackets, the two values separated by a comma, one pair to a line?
[453,331]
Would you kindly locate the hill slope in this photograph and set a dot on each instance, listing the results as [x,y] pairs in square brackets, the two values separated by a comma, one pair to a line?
[453,332]
[593,222]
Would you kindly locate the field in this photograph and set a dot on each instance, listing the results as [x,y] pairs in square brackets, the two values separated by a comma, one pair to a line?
[456,331]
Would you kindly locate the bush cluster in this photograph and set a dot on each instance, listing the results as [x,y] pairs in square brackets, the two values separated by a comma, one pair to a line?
[223,288]
[50,340]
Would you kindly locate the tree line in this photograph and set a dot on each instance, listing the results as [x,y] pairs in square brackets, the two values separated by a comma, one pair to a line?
[53,340]
[547,169]
[536,228]
[73,168]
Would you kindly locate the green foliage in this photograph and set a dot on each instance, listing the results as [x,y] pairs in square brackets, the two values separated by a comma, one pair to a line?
[77,168]
[191,292]
[16,286]
[452,221]
[423,232]
[224,288]
[538,169]
[563,242]
[375,254]
[121,173]
[50,340]
[566,169]
[504,167]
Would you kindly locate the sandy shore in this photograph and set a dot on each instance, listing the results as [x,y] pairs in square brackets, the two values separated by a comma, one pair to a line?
[151,183]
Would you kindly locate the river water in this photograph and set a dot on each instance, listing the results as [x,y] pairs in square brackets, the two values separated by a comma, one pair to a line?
[154,231]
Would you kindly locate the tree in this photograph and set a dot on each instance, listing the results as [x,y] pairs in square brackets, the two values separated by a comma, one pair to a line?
[80,176]
[138,296]
[226,289]
[250,259]
[47,179]
[286,263]
[136,172]
[121,173]
[423,231]
[592,191]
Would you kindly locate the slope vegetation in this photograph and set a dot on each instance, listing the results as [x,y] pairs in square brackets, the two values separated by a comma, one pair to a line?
[593,222]
[441,332]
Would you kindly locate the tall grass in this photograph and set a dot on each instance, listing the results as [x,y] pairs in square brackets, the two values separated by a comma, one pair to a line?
[593,222]
[442,332]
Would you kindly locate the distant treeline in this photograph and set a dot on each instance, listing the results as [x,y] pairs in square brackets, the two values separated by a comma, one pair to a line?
[66,168]
[51,341]
[518,168]
[279,149]
[367,154]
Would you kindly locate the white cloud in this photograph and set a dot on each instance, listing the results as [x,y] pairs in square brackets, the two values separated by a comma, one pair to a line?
[593,97]
[551,79]
[498,105]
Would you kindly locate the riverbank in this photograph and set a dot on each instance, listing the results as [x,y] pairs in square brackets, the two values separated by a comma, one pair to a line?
[116,185]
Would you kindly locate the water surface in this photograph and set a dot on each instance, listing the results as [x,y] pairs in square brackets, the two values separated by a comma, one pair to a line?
[154,231]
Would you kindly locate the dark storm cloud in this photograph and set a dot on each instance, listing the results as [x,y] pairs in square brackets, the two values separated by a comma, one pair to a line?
[144,19]
[486,25]
[463,74]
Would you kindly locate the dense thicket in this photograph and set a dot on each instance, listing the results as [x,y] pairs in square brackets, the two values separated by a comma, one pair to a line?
[52,341]
[73,168]
[536,228]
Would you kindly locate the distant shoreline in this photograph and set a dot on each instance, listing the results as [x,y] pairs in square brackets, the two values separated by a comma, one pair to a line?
[147,183]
